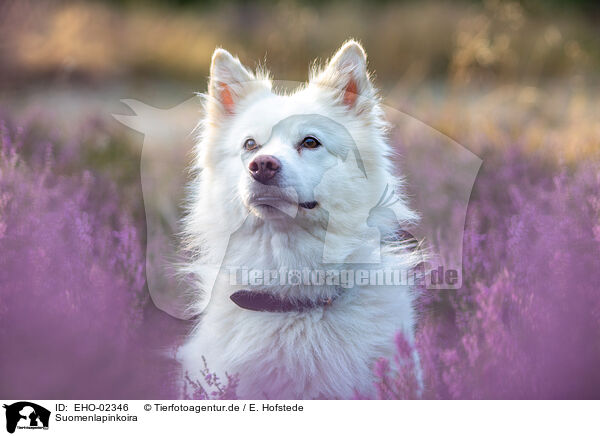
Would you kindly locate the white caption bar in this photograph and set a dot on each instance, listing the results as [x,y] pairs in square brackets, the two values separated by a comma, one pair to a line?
[302,417]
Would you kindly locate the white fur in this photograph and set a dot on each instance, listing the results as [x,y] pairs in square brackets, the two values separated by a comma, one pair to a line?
[325,352]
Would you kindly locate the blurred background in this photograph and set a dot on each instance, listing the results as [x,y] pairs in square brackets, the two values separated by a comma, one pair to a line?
[516,82]
[533,63]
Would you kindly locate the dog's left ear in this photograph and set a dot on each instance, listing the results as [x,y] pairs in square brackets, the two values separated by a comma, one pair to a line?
[347,74]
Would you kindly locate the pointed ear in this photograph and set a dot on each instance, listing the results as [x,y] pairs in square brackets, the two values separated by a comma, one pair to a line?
[347,74]
[229,82]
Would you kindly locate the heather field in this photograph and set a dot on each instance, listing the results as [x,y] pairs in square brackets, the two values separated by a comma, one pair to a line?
[515,83]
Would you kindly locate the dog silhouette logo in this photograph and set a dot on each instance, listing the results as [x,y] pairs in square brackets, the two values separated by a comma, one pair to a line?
[417,151]
[26,415]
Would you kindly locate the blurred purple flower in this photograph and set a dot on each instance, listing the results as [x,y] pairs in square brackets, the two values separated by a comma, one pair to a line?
[76,321]
[72,286]
[526,323]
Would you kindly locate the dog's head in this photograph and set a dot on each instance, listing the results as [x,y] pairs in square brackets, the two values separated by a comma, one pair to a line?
[276,155]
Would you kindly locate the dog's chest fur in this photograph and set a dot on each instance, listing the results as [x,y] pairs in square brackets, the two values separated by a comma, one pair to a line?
[326,352]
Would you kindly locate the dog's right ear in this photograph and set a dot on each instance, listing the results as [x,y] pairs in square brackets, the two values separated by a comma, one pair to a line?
[229,82]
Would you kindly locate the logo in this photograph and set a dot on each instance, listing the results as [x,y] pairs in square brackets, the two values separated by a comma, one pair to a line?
[434,166]
[26,415]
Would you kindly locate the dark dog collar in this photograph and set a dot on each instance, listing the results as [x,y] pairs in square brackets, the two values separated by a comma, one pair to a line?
[265,302]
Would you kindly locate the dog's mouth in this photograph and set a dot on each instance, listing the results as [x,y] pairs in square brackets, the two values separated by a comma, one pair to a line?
[270,201]
[275,206]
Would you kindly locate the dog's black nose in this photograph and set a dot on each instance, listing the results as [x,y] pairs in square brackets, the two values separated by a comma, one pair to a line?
[263,168]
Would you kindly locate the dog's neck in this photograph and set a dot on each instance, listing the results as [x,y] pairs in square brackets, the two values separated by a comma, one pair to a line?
[292,250]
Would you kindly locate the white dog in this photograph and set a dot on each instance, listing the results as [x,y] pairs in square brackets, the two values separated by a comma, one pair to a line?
[292,183]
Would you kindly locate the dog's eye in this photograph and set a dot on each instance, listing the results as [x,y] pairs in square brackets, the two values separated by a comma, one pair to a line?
[250,144]
[310,142]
